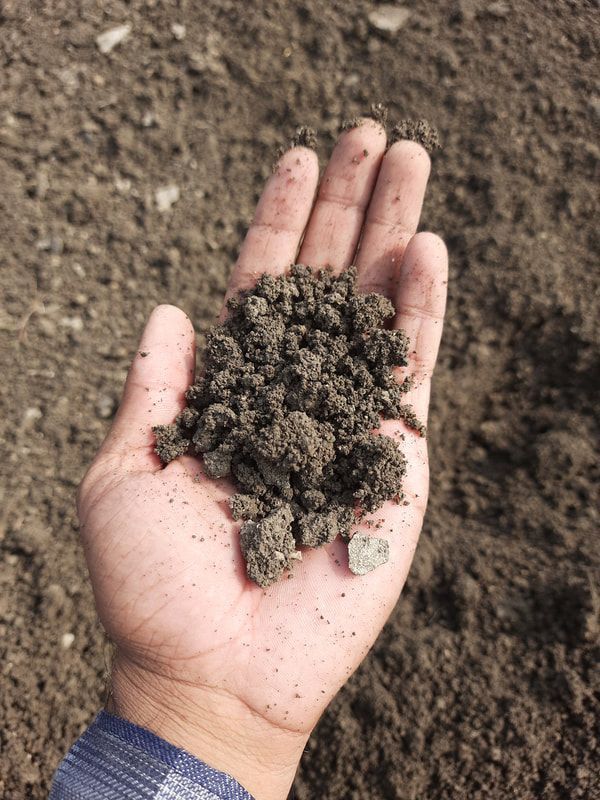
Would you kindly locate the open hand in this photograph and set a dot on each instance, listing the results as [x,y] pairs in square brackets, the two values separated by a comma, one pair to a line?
[233,673]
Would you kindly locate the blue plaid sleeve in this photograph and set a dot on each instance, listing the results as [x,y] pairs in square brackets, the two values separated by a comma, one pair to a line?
[117,760]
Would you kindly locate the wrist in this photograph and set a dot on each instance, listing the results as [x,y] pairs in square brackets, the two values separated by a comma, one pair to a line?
[212,725]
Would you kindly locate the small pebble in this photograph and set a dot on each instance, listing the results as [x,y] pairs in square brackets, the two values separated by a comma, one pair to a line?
[74,324]
[178,31]
[498,10]
[166,196]
[105,407]
[389,18]
[365,553]
[67,640]
[111,38]
[122,185]
[50,244]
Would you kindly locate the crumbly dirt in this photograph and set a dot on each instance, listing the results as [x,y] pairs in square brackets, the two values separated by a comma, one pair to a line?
[304,136]
[419,130]
[294,382]
[269,546]
[484,684]
[378,111]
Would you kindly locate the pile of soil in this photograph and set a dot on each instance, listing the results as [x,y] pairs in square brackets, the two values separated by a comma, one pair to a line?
[484,683]
[295,381]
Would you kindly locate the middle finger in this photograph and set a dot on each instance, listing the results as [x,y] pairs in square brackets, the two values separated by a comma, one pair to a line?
[393,216]
[335,224]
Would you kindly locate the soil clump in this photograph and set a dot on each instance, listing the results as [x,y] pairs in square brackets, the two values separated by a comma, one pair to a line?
[296,380]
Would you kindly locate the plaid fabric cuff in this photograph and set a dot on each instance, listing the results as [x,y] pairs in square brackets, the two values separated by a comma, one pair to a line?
[117,760]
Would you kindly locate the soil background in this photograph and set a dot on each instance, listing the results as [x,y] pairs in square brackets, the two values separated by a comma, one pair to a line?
[482,683]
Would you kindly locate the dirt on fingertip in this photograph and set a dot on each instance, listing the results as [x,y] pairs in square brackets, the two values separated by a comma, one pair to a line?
[305,136]
[377,112]
[296,379]
[420,131]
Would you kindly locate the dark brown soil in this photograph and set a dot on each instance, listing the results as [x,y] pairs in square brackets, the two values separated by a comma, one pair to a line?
[378,111]
[304,136]
[484,683]
[293,384]
[419,130]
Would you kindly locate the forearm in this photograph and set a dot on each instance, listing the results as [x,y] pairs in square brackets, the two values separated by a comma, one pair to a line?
[158,736]
[211,725]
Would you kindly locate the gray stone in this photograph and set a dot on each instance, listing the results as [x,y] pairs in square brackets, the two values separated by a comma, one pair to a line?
[498,9]
[178,31]
[105,406]
[112,37]
[365,553]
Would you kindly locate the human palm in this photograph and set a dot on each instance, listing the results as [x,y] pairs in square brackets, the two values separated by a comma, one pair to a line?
[161,545]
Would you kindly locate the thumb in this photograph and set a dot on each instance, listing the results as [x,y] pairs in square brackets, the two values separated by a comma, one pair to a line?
[161,371]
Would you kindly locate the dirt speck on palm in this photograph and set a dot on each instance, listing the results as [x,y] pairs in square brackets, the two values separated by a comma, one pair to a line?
[296,380]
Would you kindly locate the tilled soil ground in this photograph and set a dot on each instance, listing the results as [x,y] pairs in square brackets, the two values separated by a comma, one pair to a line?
[482,683]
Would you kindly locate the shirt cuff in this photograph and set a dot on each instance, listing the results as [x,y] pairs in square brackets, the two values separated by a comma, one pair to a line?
[115,759]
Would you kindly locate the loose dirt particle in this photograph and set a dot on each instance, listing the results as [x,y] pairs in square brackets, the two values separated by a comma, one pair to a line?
[111,38]
[178,30]
[304,137]
[377,112]
[166,197]
[416,131]
[389,18]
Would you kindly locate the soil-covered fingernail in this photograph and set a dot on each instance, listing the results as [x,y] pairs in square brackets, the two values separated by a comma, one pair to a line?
[420,131]
[296,380]
[377,112]
[305,136]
